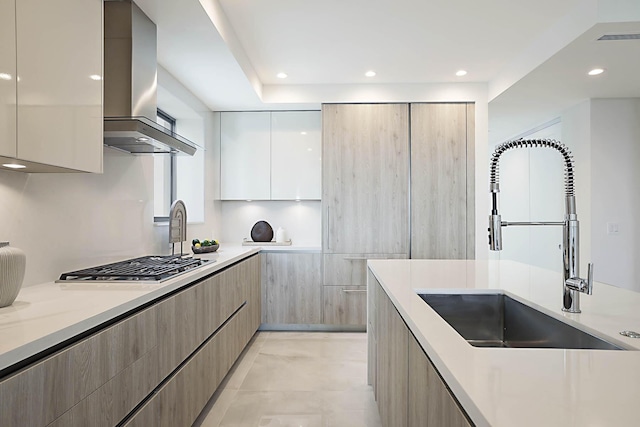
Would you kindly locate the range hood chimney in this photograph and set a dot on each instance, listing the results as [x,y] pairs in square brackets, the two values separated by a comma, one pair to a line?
[130,84]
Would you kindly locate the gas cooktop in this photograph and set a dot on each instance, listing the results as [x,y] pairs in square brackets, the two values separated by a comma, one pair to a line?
[147,269]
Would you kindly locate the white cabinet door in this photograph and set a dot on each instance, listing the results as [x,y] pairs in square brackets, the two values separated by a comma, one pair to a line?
[296,155]
[59,49]
[7,78]
[245,155]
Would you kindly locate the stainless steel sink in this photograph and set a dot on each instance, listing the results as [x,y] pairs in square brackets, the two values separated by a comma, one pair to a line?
[497,320]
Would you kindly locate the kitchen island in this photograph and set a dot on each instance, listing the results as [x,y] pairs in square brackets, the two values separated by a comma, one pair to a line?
[508,386]
[107,353]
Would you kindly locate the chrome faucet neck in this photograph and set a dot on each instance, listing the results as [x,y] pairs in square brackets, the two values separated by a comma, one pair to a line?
[573,284]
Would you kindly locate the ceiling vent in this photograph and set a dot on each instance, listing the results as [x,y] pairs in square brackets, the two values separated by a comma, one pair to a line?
[620,37]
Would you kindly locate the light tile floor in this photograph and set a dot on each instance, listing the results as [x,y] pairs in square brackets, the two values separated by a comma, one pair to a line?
[301,379]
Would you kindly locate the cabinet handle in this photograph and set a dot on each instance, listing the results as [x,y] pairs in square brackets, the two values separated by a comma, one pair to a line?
[355,258]
[348,291]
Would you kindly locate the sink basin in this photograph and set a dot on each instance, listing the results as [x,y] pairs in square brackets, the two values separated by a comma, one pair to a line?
[497,320]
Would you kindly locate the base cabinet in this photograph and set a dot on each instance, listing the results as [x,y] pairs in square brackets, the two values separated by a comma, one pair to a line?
[168,359]
[292,288]
[407,387]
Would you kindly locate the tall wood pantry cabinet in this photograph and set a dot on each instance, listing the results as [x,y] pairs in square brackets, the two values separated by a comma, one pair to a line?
[397,182]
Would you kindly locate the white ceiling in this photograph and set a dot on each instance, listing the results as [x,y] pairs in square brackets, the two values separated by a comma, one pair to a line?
[227,51]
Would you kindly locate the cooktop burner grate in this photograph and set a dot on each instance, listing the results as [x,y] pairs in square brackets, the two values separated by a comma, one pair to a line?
[148,268]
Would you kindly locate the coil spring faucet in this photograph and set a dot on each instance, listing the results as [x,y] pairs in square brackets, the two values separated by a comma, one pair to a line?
[573,284]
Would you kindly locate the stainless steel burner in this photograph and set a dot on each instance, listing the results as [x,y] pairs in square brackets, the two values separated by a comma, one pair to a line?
[148,268]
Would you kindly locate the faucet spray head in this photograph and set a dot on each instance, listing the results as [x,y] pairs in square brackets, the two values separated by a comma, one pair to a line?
[495,232]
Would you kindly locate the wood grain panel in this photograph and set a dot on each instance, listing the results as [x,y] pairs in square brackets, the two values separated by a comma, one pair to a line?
[345,305]
[430,402]
[350,269]
[471,181]
[372,331]
[392,360]
[439,181]
[365,178]
[293,288]
[57,383]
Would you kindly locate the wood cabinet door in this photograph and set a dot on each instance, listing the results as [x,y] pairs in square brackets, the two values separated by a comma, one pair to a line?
[292,288]
[442,181]
[430,401]
[392,361]
[365,178]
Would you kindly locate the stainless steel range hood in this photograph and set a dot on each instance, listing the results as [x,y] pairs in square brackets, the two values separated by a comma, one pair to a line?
[130,84]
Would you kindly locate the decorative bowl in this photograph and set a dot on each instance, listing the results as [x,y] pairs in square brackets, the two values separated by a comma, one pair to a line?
[204,249]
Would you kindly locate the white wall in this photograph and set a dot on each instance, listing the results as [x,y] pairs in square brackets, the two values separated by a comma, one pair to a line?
[604,137]
[64,222]
[615,150]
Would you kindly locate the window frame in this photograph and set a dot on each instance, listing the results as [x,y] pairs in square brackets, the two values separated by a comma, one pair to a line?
[173,185]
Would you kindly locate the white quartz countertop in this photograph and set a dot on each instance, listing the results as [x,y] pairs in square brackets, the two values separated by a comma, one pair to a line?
[45,315]
[524,387]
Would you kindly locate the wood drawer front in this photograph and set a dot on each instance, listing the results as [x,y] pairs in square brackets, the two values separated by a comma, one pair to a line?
[191,316]
[350,269]
[181,399]
[345,305]
[111,403]
[60,381]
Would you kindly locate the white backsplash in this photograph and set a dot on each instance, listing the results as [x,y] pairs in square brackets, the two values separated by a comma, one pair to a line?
[65,222]
[302,220]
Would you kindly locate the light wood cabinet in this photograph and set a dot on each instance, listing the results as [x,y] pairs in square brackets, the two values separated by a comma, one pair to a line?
[296,155]
[61,381]
[245,151]
[59,104]
[407,387]
[8,96]
[271,155]
[292,286]
[392,365]
[101,380]
[365,180]
[442,181]
[345,290]
[431,404]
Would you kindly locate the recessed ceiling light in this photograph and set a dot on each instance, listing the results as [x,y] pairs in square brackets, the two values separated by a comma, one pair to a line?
[142,139]
[370,73]
[95,77]
[461,73]
[14,166]
[303,133]
[5,76]
[596,71]
[282,75]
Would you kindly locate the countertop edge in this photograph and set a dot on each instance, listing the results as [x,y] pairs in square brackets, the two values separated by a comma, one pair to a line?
[17,355]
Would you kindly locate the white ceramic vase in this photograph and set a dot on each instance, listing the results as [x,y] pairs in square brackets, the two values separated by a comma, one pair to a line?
[12,267]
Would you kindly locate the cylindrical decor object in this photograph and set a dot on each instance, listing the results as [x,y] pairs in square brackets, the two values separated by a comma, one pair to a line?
[12,267]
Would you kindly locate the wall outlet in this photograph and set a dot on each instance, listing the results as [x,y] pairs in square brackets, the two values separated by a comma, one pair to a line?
[613,228]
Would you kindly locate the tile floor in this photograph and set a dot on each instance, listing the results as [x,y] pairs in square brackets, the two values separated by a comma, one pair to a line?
[301,379]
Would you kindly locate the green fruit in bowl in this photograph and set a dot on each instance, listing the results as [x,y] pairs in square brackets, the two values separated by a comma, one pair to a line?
[206,243]
[195,241]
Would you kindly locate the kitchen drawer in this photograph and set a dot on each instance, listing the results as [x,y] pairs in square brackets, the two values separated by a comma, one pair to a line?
[350,269]
[76,372]
[345,305]
[181,399]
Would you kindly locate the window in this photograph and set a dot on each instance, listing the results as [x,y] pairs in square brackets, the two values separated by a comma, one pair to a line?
[164,170]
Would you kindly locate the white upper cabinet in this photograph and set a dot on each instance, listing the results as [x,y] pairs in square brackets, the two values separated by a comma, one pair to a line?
[245,155]
[59,64]
[271,155]
[7,78]
[296,155]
